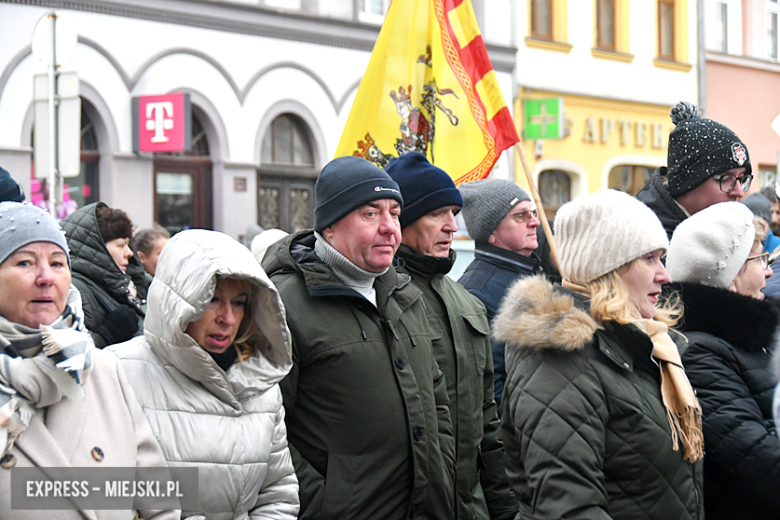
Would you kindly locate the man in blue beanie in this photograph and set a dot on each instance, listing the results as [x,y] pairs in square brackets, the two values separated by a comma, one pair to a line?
[10,190]
[461,336]
[365,402]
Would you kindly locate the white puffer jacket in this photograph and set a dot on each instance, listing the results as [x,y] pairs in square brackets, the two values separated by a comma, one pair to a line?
[228,425]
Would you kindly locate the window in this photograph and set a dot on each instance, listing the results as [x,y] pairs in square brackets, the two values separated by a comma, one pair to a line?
[722,35]
[628,178]
[666,29]
[287,142]
[541,19]
[373,11]
[605,24]
[284,4]
[554,190]
[771,29]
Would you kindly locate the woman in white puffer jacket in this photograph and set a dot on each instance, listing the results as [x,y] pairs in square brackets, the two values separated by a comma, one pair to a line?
[206,372]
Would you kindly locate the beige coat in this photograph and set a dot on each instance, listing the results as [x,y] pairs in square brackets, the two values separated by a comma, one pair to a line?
[109,418]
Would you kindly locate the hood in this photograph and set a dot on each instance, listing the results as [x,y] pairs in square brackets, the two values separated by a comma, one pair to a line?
[536,315]
[180,293]
[88,254]
[744,322]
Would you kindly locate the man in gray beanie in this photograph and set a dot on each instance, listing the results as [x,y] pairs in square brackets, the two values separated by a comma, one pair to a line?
[706,163]
[499,218]
[366,404]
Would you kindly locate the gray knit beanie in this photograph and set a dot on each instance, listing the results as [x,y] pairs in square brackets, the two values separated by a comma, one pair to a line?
[711,246]
[600,232]
[485,204]
[22,224]
[759,205]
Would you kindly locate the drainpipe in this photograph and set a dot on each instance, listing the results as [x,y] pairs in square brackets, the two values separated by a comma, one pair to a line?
[702,58]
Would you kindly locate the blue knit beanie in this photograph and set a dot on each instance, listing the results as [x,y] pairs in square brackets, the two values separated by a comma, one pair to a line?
[9,188]
[424,186]
[345,184]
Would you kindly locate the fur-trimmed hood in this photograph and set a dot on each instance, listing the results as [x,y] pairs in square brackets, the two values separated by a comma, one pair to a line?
[537,315]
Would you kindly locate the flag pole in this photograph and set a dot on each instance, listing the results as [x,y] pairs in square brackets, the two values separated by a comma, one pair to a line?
[542,216]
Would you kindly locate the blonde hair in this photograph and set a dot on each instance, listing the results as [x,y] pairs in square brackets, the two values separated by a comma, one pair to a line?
[610,300]
[246,329]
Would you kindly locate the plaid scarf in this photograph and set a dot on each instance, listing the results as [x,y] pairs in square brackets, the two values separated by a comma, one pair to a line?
[38,367]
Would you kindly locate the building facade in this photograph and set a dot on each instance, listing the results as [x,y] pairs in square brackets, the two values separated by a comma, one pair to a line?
[270,82]
[614,68]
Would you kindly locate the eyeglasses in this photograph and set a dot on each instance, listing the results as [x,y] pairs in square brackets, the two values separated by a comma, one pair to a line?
[729,182]
[525,216]
[763,259]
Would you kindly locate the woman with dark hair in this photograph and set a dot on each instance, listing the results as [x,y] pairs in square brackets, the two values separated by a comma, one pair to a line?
[106,272]
[206,372]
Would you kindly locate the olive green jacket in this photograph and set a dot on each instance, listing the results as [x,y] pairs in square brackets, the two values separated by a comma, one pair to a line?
[462,349]
[366,405]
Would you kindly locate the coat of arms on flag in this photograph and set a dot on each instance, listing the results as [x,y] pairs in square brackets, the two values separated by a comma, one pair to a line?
[430,87]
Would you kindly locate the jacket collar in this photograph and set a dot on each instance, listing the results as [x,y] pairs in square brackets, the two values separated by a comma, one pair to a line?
[425,264]
[656,196]
[509,260]
[744,322]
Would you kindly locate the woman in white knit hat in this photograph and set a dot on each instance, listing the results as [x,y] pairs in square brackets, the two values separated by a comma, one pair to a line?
[720,266]
[599,419]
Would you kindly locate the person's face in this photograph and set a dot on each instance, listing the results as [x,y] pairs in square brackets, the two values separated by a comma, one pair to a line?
[432,234]
[708,193]
[216,330]
[120,251]
[775,218]
[517,232]
[643,278]
[752,278]
[34,284]
[368,236]
[150,261]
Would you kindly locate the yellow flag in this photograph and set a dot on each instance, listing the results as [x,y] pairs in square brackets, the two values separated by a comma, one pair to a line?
[430,87]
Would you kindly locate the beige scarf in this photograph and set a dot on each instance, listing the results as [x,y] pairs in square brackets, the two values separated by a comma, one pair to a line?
[682,407]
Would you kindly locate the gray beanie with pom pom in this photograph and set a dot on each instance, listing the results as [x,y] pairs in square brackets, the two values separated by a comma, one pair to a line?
[700,148]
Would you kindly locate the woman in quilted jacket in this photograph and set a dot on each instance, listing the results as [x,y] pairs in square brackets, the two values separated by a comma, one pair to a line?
[717,257]
[599,419]
[206,372]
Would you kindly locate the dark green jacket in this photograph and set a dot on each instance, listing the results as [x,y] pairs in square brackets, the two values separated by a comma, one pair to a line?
[103,286]
[366,405]
[462,348]
[585,429]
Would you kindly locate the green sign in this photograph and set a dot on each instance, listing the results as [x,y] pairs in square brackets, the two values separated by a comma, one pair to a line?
[543,118]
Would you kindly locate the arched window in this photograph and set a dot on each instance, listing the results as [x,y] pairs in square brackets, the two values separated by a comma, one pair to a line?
[285,181]
[554,190]
[629,178]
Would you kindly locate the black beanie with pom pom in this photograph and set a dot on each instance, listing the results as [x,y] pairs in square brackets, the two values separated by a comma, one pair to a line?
[700,148]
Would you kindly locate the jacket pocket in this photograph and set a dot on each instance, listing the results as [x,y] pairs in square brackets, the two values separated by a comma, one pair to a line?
[478,335]
[339,486]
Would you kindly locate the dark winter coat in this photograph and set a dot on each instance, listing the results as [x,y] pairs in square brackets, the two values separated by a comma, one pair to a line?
[731,338]
[585,429]
[461,344]
[103,286]
[488,278]
[657,197]
[366,405]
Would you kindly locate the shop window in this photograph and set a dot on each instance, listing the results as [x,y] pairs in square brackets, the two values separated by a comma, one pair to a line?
[666,29]
[771,29]
[605,24]
[629,178]
[285,181]
[541,19]
[554,190]
[76,191]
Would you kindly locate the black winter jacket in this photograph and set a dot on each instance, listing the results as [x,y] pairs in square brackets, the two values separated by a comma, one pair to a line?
[657,197]
[731,338]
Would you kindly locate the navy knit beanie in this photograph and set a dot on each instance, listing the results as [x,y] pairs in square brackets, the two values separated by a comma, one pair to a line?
[700,148]
[10,190]
[345,184]
[424,186]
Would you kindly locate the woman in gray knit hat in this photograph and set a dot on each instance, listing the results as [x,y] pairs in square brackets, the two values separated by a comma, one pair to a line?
[719,266]
[63,403]
[599,419]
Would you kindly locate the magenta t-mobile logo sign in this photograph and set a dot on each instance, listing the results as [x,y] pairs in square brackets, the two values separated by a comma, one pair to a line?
[162,123]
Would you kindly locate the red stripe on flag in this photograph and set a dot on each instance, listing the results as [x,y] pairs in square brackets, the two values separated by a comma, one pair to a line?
[502,128]
[451,4]
[475,59]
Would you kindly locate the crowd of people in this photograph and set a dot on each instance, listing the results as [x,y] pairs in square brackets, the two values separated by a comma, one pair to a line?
[339,372]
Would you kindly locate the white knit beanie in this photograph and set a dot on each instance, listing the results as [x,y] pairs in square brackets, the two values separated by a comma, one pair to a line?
[711,246]
[600,232]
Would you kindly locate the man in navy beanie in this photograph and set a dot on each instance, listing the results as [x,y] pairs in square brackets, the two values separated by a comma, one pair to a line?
[365,403]
[10,190]
[459,326]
